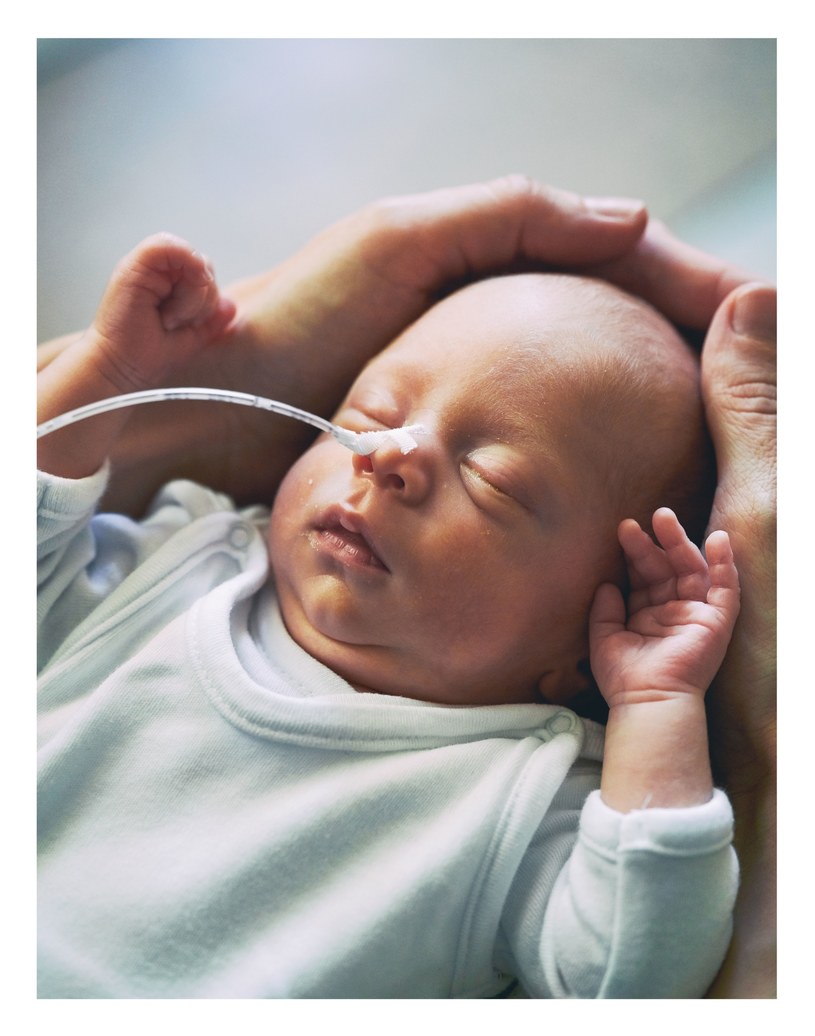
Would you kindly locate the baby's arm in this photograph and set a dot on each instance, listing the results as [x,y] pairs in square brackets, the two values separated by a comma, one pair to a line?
[161,308]
[655,664]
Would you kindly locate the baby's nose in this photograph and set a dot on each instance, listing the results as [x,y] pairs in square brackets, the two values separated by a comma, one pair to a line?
[407,474]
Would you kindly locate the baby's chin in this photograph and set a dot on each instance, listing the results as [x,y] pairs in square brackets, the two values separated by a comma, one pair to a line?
[421,683]
[391,669]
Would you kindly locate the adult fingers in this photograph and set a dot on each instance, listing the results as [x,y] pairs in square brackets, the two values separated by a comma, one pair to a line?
[686,284]
[426,241]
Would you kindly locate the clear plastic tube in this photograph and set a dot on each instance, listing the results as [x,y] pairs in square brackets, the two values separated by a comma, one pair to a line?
[359,442]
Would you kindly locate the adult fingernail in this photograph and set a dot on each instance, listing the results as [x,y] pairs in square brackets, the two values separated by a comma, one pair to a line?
[754,313]
[615,208]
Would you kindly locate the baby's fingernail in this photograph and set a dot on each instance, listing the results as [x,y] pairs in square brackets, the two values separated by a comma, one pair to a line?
[754,313]
[615,208]
[206,265]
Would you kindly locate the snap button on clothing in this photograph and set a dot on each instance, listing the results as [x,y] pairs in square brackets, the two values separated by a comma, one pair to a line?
[559,723]
[239,537]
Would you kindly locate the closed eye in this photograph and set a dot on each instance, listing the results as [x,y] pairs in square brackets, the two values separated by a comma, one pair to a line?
[368,409]
[358,419]
[482,481]
[498,474]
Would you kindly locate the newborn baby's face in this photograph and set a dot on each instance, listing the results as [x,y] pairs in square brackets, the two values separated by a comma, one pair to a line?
[462,571]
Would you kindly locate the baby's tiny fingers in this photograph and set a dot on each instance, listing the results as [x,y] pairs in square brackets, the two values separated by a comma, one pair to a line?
[650,574]
[686,560]
[646,562]
[220,318]
[724,576]
[194,297]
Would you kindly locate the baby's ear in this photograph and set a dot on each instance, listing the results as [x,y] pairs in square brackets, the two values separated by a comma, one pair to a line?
[561,686]
[584,698]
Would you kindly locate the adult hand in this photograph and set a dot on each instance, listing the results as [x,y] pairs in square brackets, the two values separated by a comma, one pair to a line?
[306,328]
[739,383]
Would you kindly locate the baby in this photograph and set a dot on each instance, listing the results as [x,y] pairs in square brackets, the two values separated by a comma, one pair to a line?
[359,778]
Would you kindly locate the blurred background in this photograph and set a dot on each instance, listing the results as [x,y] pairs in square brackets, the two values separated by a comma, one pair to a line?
[249,147]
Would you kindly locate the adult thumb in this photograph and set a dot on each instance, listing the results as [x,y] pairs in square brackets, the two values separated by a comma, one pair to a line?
[739,392]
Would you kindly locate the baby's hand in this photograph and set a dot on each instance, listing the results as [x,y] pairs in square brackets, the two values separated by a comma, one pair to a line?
[160,308]
[681,611]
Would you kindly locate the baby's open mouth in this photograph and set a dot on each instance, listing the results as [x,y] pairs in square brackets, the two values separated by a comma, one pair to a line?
[348,546]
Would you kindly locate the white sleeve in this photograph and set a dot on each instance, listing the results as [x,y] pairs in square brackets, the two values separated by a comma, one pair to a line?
[642,907]
[65,550]
[83,556]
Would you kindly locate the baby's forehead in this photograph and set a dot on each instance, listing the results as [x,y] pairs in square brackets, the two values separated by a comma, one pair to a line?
[525,316]
[513,333]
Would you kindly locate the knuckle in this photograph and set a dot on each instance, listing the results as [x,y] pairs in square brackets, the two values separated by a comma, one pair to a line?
[751,397]
[521,192]
[515,186]
[386,221]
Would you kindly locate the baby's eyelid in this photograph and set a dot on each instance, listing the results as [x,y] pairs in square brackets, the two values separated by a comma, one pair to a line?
[374,407]
[367,415]
[487,478]
[502,477]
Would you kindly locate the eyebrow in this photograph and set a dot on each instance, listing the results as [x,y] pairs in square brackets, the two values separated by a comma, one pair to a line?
[513,419]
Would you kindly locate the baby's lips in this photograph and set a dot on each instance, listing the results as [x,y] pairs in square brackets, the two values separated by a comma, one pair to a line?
[354,523]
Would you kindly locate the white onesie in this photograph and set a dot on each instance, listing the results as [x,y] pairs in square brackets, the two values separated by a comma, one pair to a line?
[222,816]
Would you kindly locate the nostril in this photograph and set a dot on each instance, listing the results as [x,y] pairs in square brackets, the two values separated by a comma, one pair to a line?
[362,463]
[384,468]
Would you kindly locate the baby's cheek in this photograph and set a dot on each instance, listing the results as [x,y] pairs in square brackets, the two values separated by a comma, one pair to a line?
[284,512]
[296,487]
[296,504]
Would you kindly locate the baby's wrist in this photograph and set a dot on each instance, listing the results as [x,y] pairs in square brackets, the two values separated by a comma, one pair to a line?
[656,753]
[75,379]
[108,374]
[644,696]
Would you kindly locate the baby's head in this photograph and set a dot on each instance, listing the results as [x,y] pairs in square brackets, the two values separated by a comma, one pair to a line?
[462,572]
